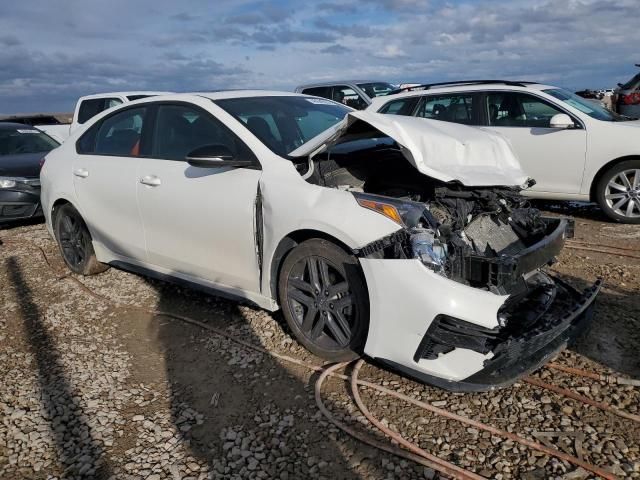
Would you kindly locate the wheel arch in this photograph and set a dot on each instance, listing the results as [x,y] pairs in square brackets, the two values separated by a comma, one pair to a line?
[599,174]
[288,243]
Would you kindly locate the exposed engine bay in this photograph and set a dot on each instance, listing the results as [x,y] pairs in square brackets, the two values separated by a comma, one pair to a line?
[473,235]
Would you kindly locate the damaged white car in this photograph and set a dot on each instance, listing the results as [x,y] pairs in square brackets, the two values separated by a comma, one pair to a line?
[395,237]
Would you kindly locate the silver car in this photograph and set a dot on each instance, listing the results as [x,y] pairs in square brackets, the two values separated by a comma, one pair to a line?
[356,94]
[627,97]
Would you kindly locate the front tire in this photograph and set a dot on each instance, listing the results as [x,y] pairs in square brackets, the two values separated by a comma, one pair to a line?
[618,192]
[74,240]
[324,299]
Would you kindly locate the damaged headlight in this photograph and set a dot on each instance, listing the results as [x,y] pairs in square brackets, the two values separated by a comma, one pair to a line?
[405,213]
[428,249]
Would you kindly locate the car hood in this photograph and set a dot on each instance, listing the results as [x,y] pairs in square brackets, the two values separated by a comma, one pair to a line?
[21,164]
[442,150]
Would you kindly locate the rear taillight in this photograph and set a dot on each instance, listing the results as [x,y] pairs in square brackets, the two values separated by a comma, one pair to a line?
[630,99]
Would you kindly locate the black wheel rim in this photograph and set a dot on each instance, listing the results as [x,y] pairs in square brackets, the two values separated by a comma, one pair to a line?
[73,240]
[322,304]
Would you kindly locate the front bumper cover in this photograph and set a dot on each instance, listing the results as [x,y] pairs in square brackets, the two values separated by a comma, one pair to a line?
[521,353]
[20,203]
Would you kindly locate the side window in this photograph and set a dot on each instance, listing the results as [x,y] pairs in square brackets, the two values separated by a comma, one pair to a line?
[457,108]
[324,92]
[181,129]
[90,108]
[402,106]
[348,96]
[514,109]
[120,134]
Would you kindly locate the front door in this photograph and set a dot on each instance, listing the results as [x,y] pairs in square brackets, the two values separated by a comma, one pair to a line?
[198,222]
[553,157]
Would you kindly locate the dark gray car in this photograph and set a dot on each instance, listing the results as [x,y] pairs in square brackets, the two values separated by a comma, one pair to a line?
[22,150]
[627,97]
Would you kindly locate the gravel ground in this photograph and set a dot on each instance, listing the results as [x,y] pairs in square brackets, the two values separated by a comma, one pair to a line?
[98,390]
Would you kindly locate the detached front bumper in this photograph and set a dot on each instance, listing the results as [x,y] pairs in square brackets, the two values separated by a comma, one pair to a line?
[22,202]
[443,333]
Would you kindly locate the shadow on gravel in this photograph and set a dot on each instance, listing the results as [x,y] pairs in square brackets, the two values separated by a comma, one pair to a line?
[76,447]
[257,411]
[613,338]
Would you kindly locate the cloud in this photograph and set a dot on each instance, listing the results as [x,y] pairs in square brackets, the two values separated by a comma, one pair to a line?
[52,53]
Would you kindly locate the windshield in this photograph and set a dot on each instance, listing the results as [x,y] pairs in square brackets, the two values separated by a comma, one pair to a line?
[593,109]
[284,123]
[25,140]
[377,89]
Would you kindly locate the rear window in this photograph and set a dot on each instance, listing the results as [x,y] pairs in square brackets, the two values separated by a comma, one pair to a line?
[25,140]
[324,92]
[90,108]
[138,97]
[376,89]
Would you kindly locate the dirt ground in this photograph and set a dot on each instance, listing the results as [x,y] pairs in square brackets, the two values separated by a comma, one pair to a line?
[103,389]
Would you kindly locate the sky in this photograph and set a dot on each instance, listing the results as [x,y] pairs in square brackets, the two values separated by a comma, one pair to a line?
[52,52]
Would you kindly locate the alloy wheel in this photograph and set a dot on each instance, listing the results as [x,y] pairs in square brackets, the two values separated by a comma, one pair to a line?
[322,303]
[622,193]
[73,240]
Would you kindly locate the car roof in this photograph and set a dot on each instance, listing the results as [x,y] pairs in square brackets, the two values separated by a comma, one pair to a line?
[338,82]
[465,87]
[222,94]
[123,94]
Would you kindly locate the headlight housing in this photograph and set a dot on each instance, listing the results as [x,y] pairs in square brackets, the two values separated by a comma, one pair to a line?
[403,212]
[7,182]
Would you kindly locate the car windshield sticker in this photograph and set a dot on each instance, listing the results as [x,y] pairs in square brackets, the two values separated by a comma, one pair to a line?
[28,131]
[320,101]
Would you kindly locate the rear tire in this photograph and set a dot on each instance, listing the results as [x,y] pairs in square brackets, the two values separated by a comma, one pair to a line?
[74,240]
[618,192]
[324,299]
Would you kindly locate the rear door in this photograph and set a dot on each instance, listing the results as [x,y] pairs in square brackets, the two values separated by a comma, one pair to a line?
[460,107]
[105,180]
[198,222]
[554,157]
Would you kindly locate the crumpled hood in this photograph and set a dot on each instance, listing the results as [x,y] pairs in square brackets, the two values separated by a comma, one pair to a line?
[442,150]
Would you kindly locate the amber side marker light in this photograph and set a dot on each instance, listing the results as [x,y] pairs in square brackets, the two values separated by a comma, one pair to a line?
[385,209]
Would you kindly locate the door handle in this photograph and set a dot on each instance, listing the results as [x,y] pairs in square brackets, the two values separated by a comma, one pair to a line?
[150,180]
[81,172]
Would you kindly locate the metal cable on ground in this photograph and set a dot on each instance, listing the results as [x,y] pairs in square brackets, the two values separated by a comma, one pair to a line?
[599,245]
[600,250]
[576,396]
[496,431]
[595,376]
[430,461]
[444,466]
[523,441]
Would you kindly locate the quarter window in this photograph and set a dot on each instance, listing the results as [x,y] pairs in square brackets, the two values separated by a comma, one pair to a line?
[457,108]
[513,109]
[181,129]
[90,108]
[402,106]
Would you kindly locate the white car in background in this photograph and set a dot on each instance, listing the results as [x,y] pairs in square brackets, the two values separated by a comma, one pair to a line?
[90,105]
[573,148]
[375,234]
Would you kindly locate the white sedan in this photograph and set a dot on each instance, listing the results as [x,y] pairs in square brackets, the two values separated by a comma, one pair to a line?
[374,234]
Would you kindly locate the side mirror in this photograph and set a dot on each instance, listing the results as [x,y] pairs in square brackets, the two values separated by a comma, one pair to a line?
[212,156]
[561,120]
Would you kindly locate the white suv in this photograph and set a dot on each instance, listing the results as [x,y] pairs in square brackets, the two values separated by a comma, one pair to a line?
[574,149]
